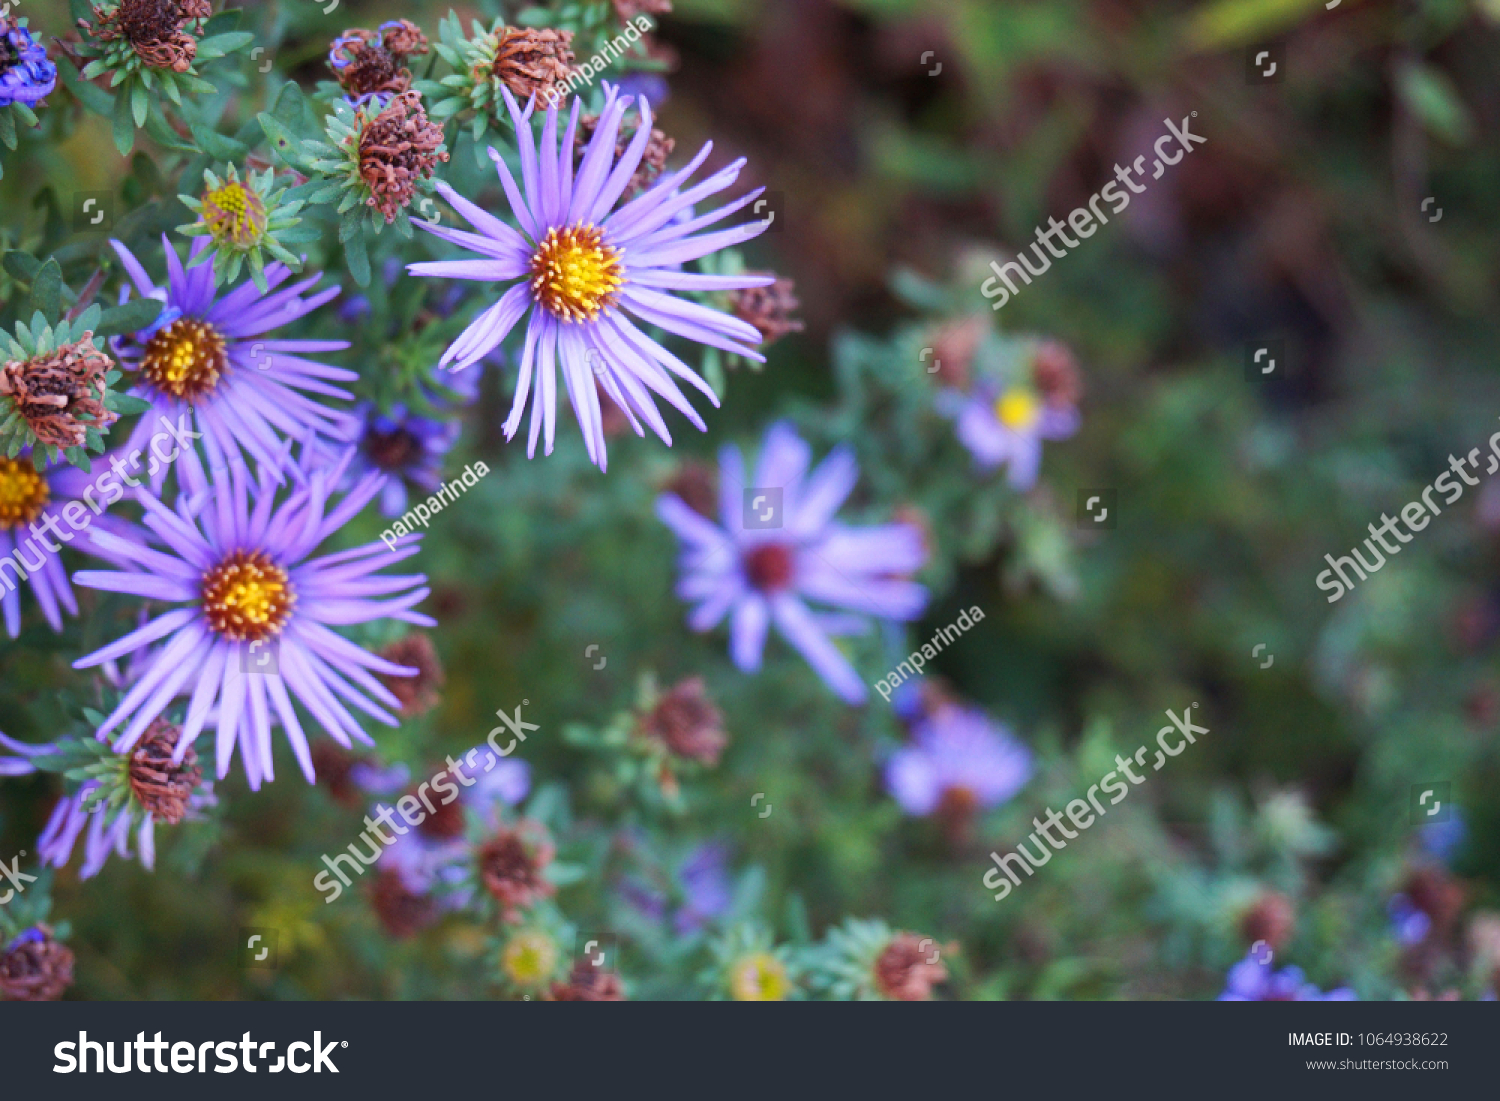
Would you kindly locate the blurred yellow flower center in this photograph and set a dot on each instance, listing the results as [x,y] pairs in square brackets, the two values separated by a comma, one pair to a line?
[529,959]
[23,493]
[185,359]
[759,978]
[247,597]
[234,214]
[575,274]
[1017,409]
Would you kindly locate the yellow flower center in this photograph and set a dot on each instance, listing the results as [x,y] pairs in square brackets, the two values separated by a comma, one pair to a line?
[1018,409]
[23,493]
[575,274]
[234,214]
[247,597]
[529,959]
[185,359]
[759,978]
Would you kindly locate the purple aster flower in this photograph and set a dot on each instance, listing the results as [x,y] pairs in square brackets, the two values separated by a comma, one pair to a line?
[957,755]
[32,531]
[27,76]
[1251,980]
[586,270]
[766,575]
[19,764]
[407,448]
[239,562]
[1001,427]
[210,358]
[702,882]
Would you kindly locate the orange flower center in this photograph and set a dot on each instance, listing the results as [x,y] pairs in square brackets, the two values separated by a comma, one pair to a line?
[23,493]
[185,359]
[247,597]
[575,274]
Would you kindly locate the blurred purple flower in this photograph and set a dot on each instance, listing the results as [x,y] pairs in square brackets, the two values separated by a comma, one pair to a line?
[107,833]
[1250,980]
[19,765]
[1409,924]
[702,882]
[957,751]
[407,448]
[582,265]
[764,575]
[207,359]
[240,562]
[1007,427]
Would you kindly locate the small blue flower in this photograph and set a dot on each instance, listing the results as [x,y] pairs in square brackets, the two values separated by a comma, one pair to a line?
[27,76]
[1252,980]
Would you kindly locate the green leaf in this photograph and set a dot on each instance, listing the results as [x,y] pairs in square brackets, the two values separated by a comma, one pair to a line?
[22,265]
[46,291]
[129,318]
[124,129]
[140,102]
[218,146]
[220,44]
[1228,23]
[127,405]
[283,141]
[1430,95]
[356,256]
[93,98]
[7,128]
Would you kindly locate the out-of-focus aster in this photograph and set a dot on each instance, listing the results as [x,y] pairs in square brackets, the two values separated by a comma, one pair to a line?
[210,360]
[27,75]
[437,857]
[1006,426]
[35,966]
[701,883]
[865,960]
[958,761]
[1253,980]
[240,562]
[750,967]
[586,269]
[240,218]
[764,575]
[407,448]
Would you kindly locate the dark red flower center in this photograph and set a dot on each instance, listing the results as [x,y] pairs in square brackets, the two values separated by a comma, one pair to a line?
[770,566]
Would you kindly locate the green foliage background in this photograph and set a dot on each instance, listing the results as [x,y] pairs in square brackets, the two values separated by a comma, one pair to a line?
[1300,218]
